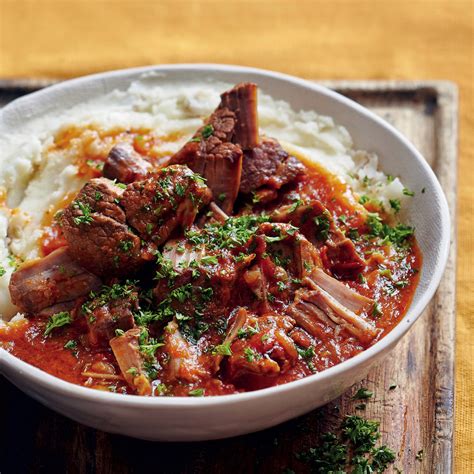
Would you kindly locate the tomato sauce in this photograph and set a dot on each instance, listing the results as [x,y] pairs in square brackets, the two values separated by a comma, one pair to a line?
[390,278]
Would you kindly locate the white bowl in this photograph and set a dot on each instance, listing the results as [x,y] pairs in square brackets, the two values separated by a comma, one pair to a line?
[190,419]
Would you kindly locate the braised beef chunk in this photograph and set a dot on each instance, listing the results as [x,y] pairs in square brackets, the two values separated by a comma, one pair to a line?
[283,257]
[126,349]
[98,237]
[211,155]
[185,361]
[168,200]
[52,281]
[242,100]
[316,310]
[125,165]
[99,195]
[264,349]
[268,165]
[199,271]
[110,310]
[317,224]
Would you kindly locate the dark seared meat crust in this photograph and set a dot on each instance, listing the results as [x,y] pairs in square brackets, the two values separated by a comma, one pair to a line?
[50,282]
[242,101]
[98,237]
[211,154]
[104,319]
[125,165]
[169,199]
[268,165]
[102,196]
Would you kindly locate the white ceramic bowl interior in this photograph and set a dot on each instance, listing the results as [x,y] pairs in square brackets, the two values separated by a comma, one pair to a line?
[189,419]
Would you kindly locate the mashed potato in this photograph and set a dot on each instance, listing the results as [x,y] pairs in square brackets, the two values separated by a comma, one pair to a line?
[34,176]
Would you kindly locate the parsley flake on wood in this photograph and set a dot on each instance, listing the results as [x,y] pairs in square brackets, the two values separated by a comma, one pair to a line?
[362,394]
[352,451]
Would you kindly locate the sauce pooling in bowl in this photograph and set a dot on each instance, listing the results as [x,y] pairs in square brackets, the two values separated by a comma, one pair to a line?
[227,267]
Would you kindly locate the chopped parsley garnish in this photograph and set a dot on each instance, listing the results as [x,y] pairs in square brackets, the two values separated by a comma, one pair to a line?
[125,246]
[2,271]
[353,234]
[393,386]
[222,349]
[395,205]
[407,192]
[330,456]
[86,210]
[235,232]
[297,203]
[180,189]
[197,392]
[107,294]
[385,272]
[381,458]
[376,309]
[419,455]
[119,332]
[221,197]
[352,451]
[249,331]
[362,394]
[396,235]
[149,227]
[209,260]
[133,371]
[148,346]
[207,131]
[323,223]
[250,354]
[361,279]
[57,320]
[364,199]
[98,196]
[71,345]
[307,354]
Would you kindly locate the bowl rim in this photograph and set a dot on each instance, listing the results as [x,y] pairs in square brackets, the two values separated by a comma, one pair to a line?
[60,386]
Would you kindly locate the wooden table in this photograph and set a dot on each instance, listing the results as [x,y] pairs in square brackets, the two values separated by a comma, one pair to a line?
[416,415]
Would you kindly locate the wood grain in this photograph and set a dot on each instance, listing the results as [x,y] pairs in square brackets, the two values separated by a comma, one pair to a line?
[416,415]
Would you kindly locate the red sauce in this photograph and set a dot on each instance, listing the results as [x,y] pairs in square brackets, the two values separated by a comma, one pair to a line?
[26,340]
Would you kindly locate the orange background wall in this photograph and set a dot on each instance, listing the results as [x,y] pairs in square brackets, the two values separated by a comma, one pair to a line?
[322,40]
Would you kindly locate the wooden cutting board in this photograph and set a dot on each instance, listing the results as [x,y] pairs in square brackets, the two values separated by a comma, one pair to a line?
[416,415]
